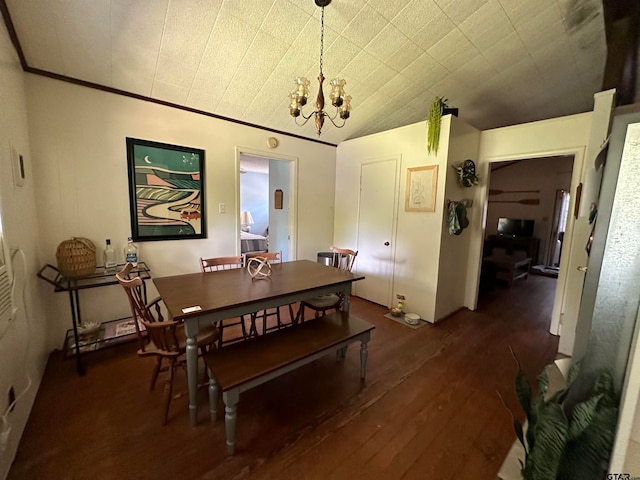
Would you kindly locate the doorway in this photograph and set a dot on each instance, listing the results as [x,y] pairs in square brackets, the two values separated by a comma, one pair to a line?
[266,206]
[377,207]
[527,212]
[540,206]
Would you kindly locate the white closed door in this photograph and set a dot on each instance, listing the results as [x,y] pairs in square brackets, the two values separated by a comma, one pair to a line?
[376,230]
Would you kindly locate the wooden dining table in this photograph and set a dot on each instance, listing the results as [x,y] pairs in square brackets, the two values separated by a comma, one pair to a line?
[210,297]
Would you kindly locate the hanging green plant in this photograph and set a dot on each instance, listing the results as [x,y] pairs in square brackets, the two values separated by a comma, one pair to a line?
[433,122]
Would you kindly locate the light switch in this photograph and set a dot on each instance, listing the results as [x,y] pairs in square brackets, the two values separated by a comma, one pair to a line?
[222,208]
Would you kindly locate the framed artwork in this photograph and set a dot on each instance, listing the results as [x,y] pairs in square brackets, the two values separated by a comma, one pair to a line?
[166,191]
[420,195]
[277,199]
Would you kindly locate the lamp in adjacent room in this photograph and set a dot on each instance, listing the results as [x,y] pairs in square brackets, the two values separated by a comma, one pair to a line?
[246,220]
[341,101]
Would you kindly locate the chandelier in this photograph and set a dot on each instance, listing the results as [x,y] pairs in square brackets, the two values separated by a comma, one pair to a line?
[339,100]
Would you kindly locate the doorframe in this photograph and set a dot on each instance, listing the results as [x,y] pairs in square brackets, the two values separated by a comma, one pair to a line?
[292,202]
[555,226]
[397,159]
[578,154]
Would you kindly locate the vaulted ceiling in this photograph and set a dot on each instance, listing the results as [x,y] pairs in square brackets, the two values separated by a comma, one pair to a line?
[501,62]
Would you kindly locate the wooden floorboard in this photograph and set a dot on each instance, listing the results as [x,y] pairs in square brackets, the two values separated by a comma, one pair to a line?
[429,408]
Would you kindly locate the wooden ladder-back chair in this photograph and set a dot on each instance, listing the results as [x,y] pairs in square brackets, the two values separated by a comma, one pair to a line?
[216,264]
[271,257]
[167,340]
[342,258]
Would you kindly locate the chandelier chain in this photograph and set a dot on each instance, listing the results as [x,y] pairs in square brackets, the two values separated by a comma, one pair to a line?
[321,38]
[338,98]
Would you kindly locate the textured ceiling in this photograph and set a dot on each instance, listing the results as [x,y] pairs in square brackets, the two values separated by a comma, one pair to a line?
[501,62]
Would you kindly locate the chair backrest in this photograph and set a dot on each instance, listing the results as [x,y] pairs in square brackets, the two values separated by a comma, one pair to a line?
[221,263]
[343,258]
[164,338]
[151,318]
[271,257]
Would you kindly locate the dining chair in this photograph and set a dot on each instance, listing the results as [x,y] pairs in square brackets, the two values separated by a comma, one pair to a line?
[271,257]
[165,338]
[342,258]
[216,264]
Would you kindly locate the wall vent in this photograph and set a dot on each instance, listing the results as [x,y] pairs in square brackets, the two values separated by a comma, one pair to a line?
[6,300]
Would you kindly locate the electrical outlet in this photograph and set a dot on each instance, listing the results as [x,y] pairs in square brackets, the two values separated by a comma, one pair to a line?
[222,208]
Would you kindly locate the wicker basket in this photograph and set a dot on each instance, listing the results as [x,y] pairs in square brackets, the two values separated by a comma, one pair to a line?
[76,257]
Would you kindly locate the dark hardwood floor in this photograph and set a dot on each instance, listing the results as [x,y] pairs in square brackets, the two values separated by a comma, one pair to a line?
[428,409]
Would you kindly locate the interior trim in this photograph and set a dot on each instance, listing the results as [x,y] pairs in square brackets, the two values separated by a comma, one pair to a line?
[36,71]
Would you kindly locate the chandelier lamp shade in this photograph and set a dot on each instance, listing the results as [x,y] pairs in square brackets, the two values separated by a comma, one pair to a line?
[339,100]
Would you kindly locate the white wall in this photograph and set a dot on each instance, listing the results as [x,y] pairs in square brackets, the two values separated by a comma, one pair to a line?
[279,227]
[23,353]
[556,136]
[418,239]
[254,197]
[80,167]
[419,234]
[463,144]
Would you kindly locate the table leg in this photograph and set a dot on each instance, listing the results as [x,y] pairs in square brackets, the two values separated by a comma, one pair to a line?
[345,300]
[231,398]
[213,396]
[191,330]
[342,353]
[364,354]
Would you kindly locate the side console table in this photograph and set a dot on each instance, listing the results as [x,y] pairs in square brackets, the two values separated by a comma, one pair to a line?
[111,332]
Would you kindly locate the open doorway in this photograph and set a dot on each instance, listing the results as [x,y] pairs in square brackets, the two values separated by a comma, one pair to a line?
[265,205]
[527,211]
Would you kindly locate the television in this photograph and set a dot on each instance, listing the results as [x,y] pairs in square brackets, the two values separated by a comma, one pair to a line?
[511,227]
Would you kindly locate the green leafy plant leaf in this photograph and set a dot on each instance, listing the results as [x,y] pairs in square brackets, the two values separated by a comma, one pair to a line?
[582,416]
[587,456]
[569,436]
[433,124]
[551,433]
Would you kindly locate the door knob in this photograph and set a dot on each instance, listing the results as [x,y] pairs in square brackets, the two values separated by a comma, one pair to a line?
[386,244]
[582,269]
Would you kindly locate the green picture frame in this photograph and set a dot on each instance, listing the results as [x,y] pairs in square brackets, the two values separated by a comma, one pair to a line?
[166,191]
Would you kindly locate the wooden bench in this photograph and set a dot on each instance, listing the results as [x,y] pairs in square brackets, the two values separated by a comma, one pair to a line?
[241,366]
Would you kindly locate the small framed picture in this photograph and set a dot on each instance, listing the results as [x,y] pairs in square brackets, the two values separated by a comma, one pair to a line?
[166,191]
[277,199]
[420,195]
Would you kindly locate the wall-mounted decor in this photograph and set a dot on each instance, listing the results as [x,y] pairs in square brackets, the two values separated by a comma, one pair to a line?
[524,201]
[166,191]
[437,110]
[466,173]
[421,189]
[500,192]
[277,199]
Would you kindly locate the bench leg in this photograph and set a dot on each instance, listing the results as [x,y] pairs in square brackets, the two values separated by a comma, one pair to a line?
[213,397]
[364,354]
[231,398]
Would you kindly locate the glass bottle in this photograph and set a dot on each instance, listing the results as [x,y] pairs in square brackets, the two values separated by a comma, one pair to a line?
[131,253]
[109,257]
